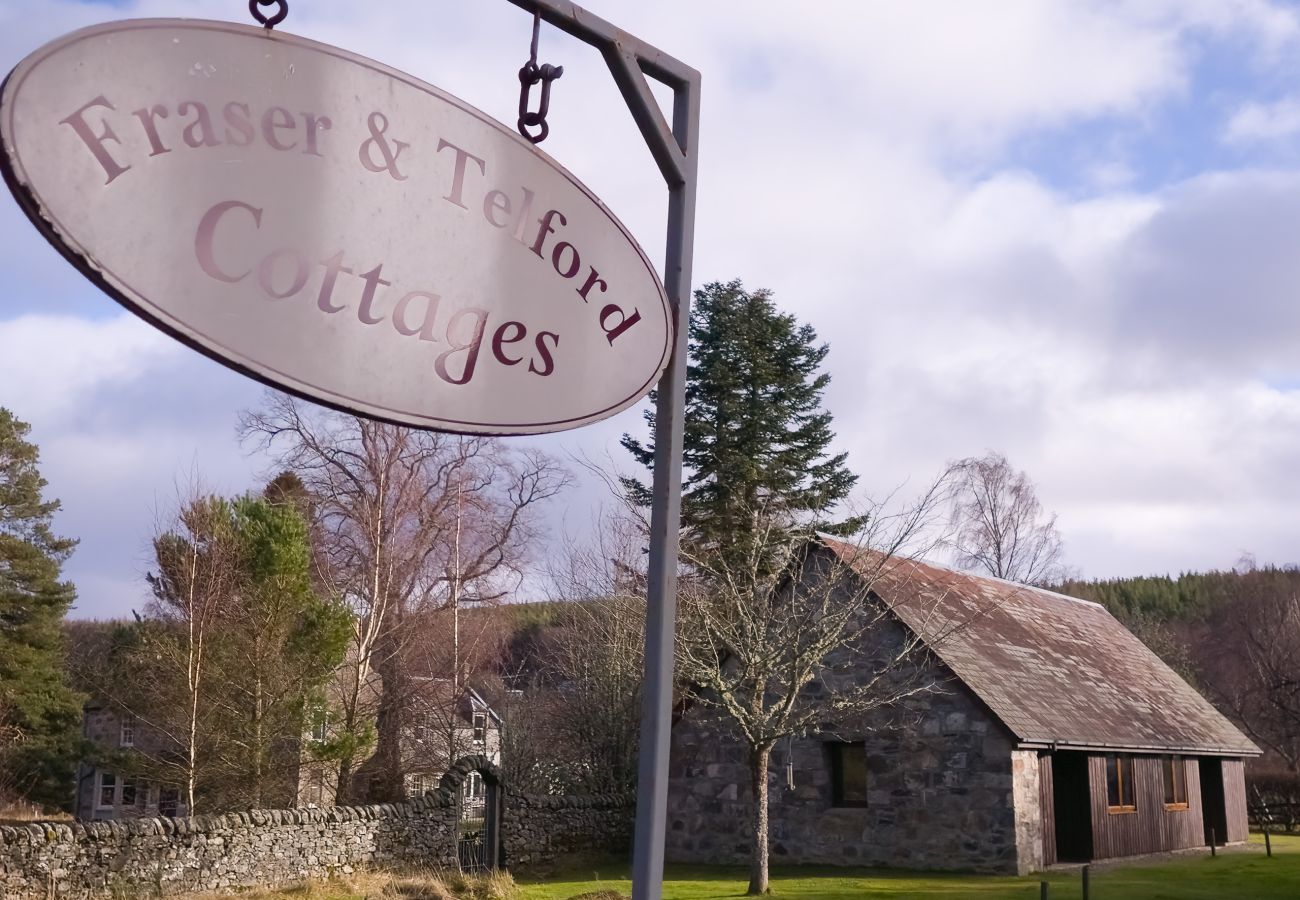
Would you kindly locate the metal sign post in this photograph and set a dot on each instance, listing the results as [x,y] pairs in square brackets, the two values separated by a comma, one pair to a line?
[676,151]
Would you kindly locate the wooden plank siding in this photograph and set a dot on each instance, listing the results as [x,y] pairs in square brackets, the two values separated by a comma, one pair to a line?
[1151,828]
[1047,808]
[1234,799]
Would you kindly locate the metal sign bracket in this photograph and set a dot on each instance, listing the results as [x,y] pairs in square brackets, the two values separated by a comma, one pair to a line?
[676,152]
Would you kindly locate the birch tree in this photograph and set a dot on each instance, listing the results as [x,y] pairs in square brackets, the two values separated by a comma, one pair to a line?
[198,569]
[1000,526]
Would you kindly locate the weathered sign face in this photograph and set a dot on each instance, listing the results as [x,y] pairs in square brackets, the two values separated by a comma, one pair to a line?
[332,227]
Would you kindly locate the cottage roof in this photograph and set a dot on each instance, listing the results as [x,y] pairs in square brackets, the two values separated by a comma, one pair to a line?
[430,690]
[1055,670]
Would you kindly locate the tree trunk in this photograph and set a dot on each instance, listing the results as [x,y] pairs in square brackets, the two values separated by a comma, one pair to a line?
[758,760]
[390,719]
[258,738]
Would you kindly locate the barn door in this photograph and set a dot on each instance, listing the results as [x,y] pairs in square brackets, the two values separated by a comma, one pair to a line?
[1046,808]
[1071,807]
[1214,809]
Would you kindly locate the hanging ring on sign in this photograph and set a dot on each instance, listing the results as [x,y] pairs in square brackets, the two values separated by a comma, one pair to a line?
[275,18]
[532,74]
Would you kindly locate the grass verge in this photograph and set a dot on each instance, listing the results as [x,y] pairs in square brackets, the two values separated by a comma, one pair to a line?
[1236,874]
[1241,874]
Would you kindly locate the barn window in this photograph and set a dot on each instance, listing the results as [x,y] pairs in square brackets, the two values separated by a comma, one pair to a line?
[848,774]
[1175,771]
[1119,784]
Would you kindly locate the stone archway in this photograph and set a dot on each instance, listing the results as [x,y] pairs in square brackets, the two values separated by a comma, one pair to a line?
[474,784]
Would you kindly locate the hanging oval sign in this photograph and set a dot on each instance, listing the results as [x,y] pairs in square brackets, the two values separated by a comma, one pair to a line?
[332,227]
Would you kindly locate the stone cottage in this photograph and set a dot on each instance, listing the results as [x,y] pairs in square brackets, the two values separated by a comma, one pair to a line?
[442,725]
[107,788]
[1051,734]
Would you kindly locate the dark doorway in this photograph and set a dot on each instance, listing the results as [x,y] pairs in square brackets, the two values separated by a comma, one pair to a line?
[1214,810]
[1072,807]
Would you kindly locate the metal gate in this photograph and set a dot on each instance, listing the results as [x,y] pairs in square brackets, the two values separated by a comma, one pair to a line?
[478,825]
[471,851]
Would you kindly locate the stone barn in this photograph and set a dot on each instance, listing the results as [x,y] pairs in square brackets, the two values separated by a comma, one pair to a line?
[1052,735]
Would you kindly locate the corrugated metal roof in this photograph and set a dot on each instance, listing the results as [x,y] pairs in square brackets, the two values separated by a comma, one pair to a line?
[1054,669]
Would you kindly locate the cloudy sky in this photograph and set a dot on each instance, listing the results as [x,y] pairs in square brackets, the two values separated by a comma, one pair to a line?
[1067,231]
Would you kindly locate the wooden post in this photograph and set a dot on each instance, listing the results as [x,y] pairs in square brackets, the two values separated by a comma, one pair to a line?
[1212,843]
[1042,890]
[1086,871]
[1268,845]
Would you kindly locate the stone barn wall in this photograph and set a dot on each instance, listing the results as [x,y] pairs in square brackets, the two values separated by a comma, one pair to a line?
[267,848]
[942,791]
[940,797]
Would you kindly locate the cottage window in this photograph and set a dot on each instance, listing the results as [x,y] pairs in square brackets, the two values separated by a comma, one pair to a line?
[418,786]
[316,788]
[1119,784]
[1175,772]
[320,725]
[169,800]
[107,793]
[425,728]
[848,774]
[126,737]
[480,727]
[128,792]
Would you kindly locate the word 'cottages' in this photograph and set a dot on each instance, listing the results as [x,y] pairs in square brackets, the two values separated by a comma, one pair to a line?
[329,278]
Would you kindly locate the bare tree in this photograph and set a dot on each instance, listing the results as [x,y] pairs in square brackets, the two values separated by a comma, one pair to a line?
[528,761]
[1000,527]
[12,792]
[595,654]
[389,503]
[446,674]
[1250,659]
[758,629]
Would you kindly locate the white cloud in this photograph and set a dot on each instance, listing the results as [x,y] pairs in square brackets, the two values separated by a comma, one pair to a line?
[52,364]
[1256,122]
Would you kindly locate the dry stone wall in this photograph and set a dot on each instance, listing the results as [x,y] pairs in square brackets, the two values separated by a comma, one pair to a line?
[542,829]
[219,853]
[162,856]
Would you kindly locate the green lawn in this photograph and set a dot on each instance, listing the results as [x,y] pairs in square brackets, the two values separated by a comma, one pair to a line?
[1229,876]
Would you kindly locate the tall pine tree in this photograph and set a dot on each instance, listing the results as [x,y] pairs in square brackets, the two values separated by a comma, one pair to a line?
[757,440]
[38,712]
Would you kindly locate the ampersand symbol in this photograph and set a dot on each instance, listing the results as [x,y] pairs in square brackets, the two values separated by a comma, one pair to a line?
[378,123]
